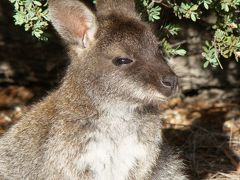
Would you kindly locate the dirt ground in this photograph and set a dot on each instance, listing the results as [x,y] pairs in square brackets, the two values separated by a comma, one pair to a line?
[208,134]
[203,126]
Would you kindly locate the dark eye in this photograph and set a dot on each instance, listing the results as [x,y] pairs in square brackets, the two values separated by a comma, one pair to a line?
[119,61]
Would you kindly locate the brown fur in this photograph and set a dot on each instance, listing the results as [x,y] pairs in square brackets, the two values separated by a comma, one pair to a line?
[98,103]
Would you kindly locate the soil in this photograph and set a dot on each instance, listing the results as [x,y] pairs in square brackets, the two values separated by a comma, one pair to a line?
[203,124]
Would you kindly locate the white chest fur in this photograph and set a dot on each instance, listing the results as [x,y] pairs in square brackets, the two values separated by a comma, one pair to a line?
[108,160]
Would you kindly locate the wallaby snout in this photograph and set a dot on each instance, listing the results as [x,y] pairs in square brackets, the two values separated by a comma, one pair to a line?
[170,82]
[162,78]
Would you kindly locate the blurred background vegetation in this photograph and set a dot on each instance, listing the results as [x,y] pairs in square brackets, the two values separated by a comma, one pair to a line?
[221,18]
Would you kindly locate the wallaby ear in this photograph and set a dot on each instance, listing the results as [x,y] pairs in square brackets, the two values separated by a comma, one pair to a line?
[73,21]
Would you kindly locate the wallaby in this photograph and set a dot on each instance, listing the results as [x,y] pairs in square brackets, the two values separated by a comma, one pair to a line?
[103,122]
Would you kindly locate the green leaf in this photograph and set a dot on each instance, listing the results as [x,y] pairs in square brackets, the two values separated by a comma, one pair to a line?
[181,52]
[193,17]
[194,7]
[205,65]
[37,3]
[205,5]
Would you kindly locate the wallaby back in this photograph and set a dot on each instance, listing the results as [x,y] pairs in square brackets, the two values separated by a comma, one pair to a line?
[103,121]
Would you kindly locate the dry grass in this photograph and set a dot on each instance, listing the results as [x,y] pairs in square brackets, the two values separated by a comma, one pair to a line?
[208,133]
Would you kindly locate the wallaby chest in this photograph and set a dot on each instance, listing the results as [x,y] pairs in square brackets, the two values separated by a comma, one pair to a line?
[114,149]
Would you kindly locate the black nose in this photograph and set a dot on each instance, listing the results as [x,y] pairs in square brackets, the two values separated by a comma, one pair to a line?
[170,82]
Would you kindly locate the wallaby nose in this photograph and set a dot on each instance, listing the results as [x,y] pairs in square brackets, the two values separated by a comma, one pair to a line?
[170,82]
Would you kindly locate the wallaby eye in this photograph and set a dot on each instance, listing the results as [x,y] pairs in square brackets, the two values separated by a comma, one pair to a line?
[119,61]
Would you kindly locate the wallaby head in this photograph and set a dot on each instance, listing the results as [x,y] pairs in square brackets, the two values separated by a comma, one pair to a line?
[115,56]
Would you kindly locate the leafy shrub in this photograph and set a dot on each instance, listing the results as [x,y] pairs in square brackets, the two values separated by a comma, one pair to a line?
[225,31]
[33,15]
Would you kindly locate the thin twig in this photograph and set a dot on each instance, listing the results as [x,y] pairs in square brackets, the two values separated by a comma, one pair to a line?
[179,43]
[159,2]
[234,158]
[216,54]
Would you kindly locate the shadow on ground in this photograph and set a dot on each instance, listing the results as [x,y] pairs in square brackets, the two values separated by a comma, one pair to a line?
[203,142]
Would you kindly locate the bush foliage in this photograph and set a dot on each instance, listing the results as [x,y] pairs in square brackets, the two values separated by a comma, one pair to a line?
[225,30]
